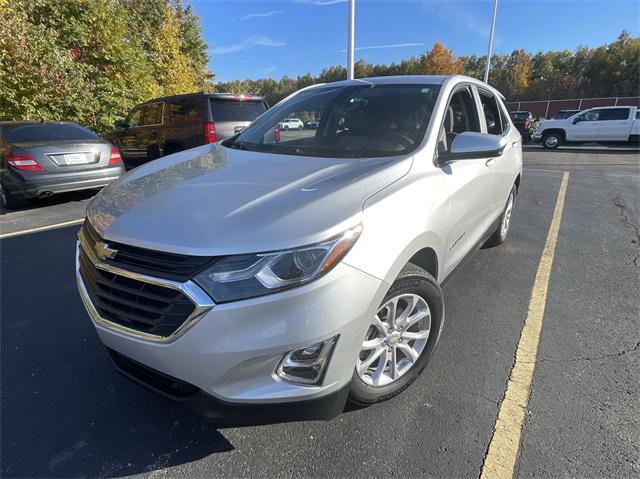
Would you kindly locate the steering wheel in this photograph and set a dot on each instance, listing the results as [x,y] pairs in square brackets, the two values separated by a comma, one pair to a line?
[399,137]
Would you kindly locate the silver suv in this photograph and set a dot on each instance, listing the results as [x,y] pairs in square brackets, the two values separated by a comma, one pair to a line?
[286,272]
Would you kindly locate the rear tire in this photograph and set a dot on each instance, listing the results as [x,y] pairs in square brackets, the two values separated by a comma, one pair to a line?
[10,201]
[502,231]
[552,141]
[412,282]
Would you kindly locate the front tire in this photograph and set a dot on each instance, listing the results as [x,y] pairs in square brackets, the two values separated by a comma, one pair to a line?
[401,338]
[551,141]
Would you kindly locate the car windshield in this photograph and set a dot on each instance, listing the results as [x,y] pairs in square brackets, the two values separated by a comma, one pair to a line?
[354,121]
[520,115]
[37,132]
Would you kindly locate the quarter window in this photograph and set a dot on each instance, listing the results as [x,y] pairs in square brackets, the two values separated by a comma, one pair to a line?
[185,111]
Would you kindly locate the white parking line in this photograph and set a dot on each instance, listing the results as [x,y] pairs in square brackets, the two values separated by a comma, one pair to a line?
[41,228]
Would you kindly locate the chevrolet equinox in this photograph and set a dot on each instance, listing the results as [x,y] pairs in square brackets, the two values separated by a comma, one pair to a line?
[284,274]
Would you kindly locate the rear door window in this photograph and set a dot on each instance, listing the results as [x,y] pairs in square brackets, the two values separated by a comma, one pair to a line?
[491,113]
[230,110]
[186,110]
[614,114]
[23,133]
[152,114]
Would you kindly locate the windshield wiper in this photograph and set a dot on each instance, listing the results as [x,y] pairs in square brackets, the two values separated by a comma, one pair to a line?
[239,145]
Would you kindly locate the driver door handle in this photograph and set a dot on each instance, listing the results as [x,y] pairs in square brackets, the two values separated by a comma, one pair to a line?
[490,162]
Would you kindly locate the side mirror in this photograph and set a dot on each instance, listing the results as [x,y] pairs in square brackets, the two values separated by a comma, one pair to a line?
[470,146]
[119,124]
[576,120]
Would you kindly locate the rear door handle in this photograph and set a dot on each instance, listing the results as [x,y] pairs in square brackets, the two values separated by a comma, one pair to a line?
[490,162]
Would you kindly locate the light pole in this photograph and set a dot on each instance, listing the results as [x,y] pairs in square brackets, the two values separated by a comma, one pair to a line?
[493,28]
[350,38]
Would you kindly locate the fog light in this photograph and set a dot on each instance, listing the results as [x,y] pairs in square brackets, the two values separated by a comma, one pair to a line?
[306,365]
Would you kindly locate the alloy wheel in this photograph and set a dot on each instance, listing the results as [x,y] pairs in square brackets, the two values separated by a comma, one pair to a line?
[506,218]
[552,141]
[395,339]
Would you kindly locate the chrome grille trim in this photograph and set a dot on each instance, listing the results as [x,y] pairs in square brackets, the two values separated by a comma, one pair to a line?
[203,303]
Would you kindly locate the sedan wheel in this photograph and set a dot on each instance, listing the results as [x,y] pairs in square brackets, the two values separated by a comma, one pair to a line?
[396,338]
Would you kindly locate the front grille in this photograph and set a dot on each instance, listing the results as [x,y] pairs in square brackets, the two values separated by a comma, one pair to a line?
[134,304]
[176,267]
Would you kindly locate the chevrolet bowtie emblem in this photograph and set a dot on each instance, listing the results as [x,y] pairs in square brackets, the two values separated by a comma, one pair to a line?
[103,251]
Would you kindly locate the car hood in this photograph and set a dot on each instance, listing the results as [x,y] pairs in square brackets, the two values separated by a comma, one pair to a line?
[213,200]
[552,124]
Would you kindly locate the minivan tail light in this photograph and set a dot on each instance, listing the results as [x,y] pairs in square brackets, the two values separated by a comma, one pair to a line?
[526,123]
[23,161]
[209,131]
[114,157]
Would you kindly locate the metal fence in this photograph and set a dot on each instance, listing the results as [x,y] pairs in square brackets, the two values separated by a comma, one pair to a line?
[548,108]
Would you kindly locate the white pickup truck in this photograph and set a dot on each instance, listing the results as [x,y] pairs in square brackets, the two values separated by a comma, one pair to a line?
[602,125]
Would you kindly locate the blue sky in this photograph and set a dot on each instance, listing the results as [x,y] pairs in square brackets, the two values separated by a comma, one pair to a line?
[257,39]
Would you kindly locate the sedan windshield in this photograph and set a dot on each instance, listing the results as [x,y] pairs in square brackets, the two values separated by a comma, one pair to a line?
[355,121]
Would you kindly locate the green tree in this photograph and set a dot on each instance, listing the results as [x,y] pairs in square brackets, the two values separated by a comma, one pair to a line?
[89,61]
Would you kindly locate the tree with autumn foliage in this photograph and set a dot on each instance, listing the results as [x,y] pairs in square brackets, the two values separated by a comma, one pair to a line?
[90,61]
[439,61]
[608,70]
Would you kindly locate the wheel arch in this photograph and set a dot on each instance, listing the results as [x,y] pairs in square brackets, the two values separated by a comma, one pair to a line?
[427,259]
[559,131]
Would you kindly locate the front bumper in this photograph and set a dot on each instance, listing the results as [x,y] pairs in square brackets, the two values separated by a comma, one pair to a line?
[230,353]
[225,413]
[536,136]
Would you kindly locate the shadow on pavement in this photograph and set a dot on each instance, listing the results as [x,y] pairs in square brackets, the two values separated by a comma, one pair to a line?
[34,203]
[65,411]
[585,150]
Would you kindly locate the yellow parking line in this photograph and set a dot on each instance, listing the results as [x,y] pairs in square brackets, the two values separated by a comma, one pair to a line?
[505,442]
[41,228]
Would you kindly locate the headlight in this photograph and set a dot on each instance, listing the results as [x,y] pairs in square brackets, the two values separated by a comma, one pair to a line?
[246,276]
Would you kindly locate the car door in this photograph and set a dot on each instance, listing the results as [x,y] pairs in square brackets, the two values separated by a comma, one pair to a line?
[614,124]
[183,123]
[126,138]
[503,167]
[149,139]
[469,182]
[584,127]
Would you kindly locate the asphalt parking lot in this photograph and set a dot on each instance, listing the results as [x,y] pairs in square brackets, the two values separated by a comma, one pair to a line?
[66,413]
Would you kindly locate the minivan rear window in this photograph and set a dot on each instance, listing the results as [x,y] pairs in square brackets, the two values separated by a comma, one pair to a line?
[32,132]
[233,110]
